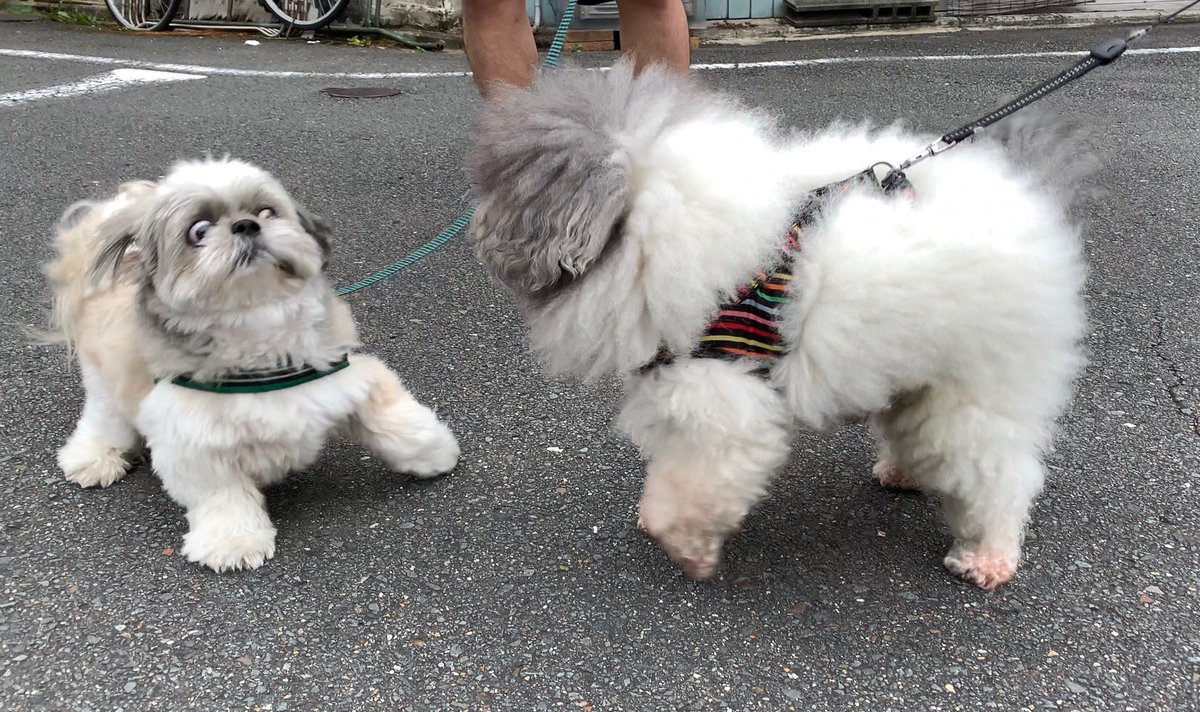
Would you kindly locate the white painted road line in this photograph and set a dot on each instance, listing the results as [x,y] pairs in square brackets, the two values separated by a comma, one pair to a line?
[221,71]
[719,66]
[115,79]
[927,58]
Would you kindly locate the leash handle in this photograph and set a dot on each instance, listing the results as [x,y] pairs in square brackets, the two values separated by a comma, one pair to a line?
[1106,52]
[1100,55]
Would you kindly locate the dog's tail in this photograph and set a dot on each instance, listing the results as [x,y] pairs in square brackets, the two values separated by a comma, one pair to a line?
[553,168]
[79,245]
[1053,148]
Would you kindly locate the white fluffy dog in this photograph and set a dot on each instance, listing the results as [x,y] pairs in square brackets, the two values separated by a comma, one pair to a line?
[622,213]
[203,322]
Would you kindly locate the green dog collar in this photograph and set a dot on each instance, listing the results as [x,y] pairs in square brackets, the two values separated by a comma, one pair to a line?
[261,381]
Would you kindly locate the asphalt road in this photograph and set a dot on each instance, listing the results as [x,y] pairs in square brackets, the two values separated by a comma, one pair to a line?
[519,581]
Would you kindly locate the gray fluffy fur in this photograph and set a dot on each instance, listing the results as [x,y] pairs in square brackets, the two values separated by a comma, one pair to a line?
[320,231]
[550,177]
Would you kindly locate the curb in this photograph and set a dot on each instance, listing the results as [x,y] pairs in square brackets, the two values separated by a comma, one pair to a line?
[749,32]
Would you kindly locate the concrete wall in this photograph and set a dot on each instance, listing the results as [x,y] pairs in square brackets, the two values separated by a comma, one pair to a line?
[431,14]
[243,11]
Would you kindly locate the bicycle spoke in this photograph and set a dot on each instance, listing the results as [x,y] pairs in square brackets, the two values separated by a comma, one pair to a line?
[301,15]
[142,15]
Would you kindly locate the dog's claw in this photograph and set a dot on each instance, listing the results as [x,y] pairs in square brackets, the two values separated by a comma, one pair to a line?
[233,549]
[99,468]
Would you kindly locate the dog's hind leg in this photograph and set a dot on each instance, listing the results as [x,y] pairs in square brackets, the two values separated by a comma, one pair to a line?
[407,435]
[887,468]
[984,467]
[96,453]
[988,521]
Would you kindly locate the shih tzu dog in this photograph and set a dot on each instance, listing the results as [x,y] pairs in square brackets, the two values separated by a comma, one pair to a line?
[653,229]
[204,324]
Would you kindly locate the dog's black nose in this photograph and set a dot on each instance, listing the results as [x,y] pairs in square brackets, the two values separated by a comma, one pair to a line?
[246,227]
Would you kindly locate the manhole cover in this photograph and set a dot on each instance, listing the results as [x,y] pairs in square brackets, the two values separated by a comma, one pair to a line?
[360,92]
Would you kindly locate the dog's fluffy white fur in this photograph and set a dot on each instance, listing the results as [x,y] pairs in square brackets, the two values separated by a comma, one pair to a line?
[620,211]
[141,302]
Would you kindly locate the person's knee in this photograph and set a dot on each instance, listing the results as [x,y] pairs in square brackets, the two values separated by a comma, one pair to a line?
[493,7]
[656,5]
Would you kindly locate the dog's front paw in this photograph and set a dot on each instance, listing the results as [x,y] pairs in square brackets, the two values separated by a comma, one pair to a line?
[92,465]
[436,455]
[893,476]
[986,570]
[230,548]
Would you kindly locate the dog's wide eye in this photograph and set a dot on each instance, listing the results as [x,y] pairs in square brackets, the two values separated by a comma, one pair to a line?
[197,231]
[266,214]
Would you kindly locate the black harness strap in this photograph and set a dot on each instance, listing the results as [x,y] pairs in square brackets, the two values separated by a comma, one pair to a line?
[747,326]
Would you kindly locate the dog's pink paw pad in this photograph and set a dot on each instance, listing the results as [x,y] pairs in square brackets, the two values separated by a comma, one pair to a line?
[987,571]
[893,476]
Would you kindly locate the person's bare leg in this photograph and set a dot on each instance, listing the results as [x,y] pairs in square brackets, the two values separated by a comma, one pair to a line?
[655,32]
[499,43]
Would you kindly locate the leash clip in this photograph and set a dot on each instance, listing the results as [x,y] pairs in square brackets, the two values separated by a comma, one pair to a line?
[939,146]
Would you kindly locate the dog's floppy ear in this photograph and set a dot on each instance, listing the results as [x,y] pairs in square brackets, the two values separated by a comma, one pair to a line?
[110,255]
[316,226]
[119,229]
[552,189]
[75,214]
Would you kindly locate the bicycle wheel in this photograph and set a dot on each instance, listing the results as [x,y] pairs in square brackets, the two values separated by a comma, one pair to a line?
[306,14]
[143,15]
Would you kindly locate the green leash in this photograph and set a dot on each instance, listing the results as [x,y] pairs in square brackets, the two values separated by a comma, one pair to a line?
[456,228]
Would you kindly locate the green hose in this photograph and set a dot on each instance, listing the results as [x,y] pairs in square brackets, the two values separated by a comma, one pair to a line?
[456,228]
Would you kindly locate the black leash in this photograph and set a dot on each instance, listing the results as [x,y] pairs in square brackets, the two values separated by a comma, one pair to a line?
[1103,53]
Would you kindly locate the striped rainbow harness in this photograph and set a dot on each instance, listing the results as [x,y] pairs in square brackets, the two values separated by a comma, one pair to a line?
[748,325]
